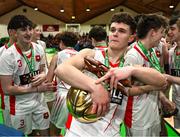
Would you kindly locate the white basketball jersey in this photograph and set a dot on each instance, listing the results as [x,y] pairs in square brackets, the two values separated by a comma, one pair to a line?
[107,126]
[62,56]
[142,111]
[14,64]
[174,72]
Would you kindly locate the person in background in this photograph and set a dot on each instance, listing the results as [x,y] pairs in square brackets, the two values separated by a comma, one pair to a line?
[67,41]
[36,38]
[22,79]
[49,96]
[174,66]
[12,39]
[139,120]
[98,37]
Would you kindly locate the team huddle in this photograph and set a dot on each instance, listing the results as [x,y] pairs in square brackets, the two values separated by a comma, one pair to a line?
[34,94]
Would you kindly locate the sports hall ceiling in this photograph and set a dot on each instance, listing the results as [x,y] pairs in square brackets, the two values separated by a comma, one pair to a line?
[77,8]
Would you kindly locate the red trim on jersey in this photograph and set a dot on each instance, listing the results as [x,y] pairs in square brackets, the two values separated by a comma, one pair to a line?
[20,51]
[103,53]
[68,122]
[6,46]
[12,100]
[135,47]
[2,97]
[128,113]
[114,65]
[110,63]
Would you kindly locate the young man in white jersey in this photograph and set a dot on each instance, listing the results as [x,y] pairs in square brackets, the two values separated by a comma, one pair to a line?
[22,77]
[122,29]
[139,119]
[37,31]
[12,39]
[59,113]
[174,66]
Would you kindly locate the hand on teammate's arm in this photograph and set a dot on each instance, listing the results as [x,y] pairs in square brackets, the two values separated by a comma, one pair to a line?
[172,79]
[146,75]
[38,79]
[101,99]
[166,103]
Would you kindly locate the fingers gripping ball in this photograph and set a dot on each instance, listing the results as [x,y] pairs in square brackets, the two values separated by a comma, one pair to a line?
[79,104]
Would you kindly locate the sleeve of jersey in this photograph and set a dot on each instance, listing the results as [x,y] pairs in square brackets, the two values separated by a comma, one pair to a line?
[7,64]
[131,58]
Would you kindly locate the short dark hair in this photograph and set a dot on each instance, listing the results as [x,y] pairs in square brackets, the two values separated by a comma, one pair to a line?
[19,21]
[98,33]
[126,18]
[68,38]
[173,20]
[148,22]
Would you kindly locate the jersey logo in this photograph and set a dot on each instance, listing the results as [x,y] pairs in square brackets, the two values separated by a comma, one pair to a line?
[175,72]
[19,63]
[116,96]
[26,78]
[38,58]
[46,115]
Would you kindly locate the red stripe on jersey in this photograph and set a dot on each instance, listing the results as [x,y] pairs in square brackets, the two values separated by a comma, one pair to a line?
[12,100]
[104,53]
[128,113]
[6,46]
[135,47]
[110,63]
[68,122]
[20,51]
[2,97]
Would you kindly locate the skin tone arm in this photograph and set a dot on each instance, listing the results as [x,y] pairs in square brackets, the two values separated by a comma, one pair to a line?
[146,75]
[52,67]
[172,79]
[70,72]
[37,85]
[6,83]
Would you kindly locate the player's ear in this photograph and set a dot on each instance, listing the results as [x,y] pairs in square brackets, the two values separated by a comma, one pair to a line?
[132,38]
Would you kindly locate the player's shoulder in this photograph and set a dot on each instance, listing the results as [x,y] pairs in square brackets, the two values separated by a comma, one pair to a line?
[37,46]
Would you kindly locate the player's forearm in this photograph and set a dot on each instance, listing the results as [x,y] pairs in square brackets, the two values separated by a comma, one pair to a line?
[18,90]
[74,77]
[149,76]
[138,90]
[173,79]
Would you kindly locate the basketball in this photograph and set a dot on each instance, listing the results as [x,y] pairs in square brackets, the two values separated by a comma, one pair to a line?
[79,104]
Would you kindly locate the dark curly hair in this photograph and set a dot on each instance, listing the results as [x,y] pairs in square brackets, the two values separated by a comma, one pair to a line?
[68,38]
[19,21]
[148,22]
[98,33]
[126,18]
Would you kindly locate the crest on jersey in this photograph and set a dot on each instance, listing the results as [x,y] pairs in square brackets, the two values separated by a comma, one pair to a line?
[46,115]
[38,58]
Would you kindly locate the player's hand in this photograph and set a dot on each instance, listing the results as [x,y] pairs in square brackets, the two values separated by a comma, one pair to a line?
[48,86]
[38,79]
[168,105]
[101,100]
[116,74]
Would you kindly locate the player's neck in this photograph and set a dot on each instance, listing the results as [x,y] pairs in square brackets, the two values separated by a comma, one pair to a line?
[115,55]
[146,43]
[23,46]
